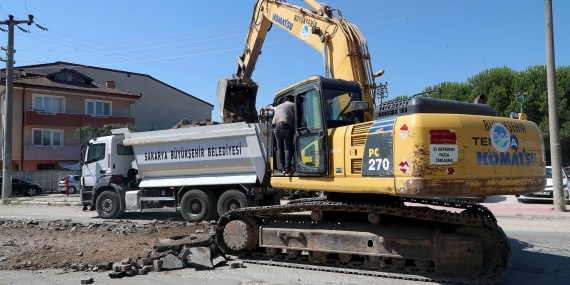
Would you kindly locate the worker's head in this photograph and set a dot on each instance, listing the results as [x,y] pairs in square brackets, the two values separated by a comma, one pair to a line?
[289,98]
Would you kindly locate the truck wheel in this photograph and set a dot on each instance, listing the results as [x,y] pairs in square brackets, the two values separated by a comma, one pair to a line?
[108,205]
[231,200]
[197,205]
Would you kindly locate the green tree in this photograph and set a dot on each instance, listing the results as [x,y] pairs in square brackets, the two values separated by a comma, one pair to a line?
[500,84]
[88,132]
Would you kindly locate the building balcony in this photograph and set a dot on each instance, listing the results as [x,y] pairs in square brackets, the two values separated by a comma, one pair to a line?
[33,118]
[61,153]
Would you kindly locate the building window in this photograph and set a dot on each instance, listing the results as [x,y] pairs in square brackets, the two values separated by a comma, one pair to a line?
[49,104]
[46,166]
[46,137]
[98,108]
[69,77]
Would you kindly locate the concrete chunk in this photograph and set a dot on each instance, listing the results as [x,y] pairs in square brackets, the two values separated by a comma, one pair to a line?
[148,268]
[117,275]
[126,267]
[218,260]
[87,280]
[104,266]
[157,265]
[236,265]
[184,253]
[145,261]
[200,258]
[172,262]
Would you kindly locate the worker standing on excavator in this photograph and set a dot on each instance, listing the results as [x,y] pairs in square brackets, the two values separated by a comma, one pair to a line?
[283,122]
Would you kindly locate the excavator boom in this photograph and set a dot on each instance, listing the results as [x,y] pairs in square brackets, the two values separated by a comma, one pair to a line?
[317,27]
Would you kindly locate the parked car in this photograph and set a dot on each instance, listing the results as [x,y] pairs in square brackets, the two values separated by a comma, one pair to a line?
[20,187]
[73,184]
[547,194]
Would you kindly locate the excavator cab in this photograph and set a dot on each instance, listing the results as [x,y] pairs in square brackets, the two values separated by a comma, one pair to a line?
[321,106]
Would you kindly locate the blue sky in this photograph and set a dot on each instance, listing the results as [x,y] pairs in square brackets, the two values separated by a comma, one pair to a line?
[192,44]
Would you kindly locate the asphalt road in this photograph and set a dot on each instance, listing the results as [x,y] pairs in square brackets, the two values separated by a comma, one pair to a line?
[541,255]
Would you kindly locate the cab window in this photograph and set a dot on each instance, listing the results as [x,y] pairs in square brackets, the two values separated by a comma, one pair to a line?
[337,107]
[124,150]
[96,152]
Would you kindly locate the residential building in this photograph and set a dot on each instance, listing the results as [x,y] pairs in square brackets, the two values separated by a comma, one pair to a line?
[49,108]
[161,106]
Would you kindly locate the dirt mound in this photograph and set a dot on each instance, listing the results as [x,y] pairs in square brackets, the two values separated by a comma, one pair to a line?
[31,245]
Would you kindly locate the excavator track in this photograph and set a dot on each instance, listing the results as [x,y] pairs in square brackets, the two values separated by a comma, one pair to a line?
[474,221]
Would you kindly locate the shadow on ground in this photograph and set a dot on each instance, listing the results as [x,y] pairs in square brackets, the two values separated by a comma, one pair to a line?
[531,265]
[495,199]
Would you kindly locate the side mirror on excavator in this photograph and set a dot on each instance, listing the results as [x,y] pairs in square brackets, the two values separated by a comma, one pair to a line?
[359,108]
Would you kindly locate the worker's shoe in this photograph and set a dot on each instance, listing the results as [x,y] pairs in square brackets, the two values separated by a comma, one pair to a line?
[287,172]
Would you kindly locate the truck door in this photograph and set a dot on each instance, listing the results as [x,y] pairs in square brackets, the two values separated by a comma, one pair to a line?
[311,139]
[95,164]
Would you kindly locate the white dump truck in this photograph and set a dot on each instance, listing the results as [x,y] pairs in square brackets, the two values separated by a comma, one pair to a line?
[201,172]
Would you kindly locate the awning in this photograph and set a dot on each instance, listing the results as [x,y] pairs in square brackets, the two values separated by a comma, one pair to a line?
[69,165]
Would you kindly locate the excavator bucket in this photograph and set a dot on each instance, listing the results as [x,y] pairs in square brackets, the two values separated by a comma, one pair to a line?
[237,101]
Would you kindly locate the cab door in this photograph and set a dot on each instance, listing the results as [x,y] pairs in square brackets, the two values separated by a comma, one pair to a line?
[311,138]
[94,166]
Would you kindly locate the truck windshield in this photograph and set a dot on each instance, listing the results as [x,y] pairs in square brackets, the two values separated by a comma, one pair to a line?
[337,107]
[95,152]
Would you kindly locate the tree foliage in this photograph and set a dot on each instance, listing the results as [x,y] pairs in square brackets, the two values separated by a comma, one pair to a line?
[500,84]
[88,132]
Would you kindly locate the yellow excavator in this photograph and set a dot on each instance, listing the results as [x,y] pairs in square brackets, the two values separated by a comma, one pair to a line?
[378,166]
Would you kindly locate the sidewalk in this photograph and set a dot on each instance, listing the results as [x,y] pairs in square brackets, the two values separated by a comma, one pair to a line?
[49,199]
[508,206]
[501,206]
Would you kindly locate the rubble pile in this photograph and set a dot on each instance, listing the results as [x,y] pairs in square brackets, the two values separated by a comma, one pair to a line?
[95,246]
[185,123]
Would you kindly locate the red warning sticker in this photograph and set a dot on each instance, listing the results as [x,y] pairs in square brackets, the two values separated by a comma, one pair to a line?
[404,166]
[442,137]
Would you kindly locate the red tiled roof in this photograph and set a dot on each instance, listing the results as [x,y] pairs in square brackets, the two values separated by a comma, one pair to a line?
[38,79]
[111,70]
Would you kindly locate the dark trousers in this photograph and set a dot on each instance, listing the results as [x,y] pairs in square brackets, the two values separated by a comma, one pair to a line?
[284,137]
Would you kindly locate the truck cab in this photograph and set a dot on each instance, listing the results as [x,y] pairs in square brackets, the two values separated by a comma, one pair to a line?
[106,161]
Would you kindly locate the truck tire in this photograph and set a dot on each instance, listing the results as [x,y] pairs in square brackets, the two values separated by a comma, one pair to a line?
[197,205]
[231,200]
[108,205]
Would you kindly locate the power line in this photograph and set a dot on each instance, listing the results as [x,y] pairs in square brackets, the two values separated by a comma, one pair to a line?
[403,10]
[426,14]
[540,16]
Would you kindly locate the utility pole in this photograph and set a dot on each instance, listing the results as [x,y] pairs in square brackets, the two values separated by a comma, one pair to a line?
[8,105]
[557,191]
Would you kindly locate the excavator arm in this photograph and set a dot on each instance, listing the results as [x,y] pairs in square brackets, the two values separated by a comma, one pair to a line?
[343,47]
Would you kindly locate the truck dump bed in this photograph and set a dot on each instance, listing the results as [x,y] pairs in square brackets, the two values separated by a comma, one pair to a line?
[208,155]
